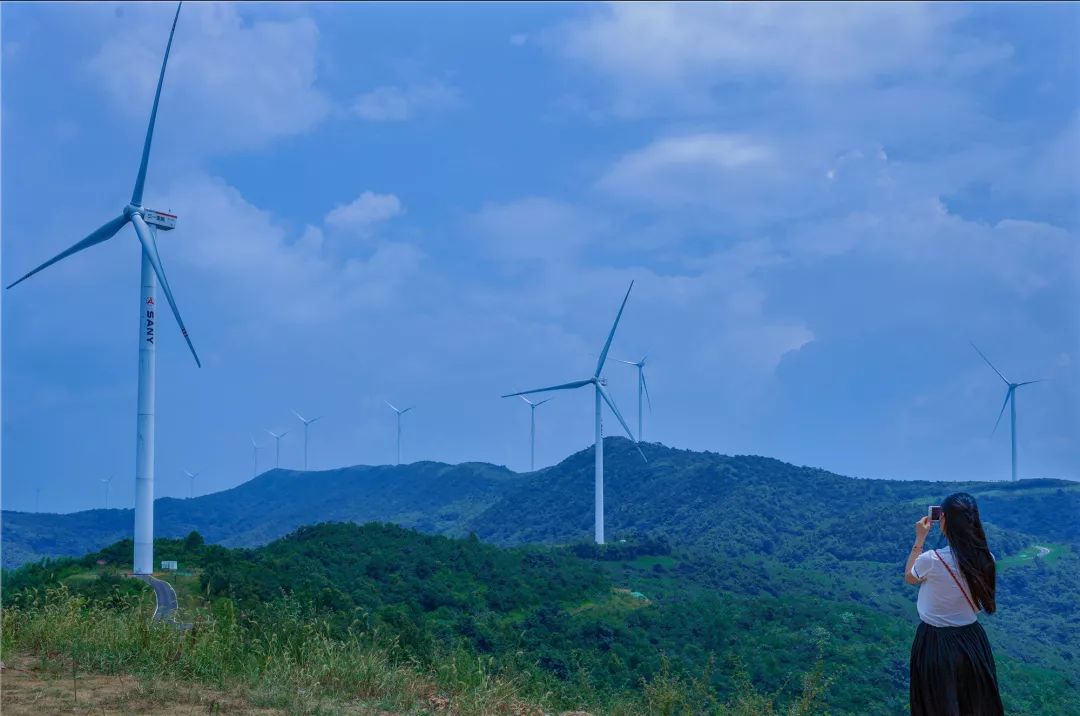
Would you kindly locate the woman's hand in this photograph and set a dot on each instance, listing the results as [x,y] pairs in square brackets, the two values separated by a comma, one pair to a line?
[922,528]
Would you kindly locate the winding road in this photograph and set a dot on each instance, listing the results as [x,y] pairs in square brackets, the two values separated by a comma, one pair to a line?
[166,600]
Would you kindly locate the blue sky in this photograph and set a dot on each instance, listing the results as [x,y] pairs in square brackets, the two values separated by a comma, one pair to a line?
[437,204]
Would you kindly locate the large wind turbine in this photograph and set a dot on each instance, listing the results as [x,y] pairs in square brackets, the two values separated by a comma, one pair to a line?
[306,423]
[277,445]
[399,414]
[641,388]
[602,394]
[146,223]
[1010,400]
[192,476]
[532,429]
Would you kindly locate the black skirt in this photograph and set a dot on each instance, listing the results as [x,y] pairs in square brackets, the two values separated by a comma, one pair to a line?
[953,672]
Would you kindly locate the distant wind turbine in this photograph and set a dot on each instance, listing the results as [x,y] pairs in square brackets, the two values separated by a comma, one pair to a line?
[532,429]
[306,423]
[641,388]
[277,445]
[108,486]
[1010,400]
[399,414]
[146,223]
[602,394]
[192,476]
[254,457]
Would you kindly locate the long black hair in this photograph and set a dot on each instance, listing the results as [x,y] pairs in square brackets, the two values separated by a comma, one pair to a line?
[964,531]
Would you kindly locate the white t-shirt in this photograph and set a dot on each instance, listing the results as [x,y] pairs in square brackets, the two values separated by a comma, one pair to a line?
[941,603]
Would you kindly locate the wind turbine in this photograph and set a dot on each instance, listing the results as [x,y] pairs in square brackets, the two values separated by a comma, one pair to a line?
[146,223]
[306,423]
[108,486]
[192,476]
[532,429]
[277,446]
[399,414]
[641,388]
[1010,400]
[254,457]
[602,394]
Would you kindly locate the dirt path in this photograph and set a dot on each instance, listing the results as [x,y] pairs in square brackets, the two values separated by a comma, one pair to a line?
[26,689]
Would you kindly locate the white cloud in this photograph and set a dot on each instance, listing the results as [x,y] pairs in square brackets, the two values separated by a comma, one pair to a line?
[231,83]
[688,168]
[364,212]
[234,245]
[663,43]
[398,104]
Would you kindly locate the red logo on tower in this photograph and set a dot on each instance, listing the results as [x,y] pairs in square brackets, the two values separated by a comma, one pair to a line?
[150,301]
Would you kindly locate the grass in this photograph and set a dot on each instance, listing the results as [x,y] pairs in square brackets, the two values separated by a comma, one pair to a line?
[293,663]
[1029,554]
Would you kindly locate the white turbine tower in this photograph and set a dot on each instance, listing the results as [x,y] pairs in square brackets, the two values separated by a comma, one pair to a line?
[399,414]
[641,388]
[146,223]
[192,476]
[277,445]
[306,423]
[1010,400]
[602,394]
[108,486]
[254,457]
[532,429]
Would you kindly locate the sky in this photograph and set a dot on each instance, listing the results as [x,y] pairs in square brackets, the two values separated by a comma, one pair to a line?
[436,204]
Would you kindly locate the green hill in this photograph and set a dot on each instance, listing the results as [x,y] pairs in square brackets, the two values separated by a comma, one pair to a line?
[746,504]
[581,626]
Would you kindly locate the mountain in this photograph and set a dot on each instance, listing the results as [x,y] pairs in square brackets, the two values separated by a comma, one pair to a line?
[746,504]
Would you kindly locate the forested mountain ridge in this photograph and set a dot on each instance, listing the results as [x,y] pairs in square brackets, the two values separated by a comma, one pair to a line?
[748,504]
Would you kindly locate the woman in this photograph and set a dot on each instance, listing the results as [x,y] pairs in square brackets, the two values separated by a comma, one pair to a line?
[952,667]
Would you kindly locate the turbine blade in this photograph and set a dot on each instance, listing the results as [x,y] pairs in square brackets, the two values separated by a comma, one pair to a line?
[314,419]
[391,406]
[541,402]
[645,385]
[407,409]
[302,419]
[627,362]
[989,363]
[150,249]
[564,386]
[607,345]
[611,404]
[1029,382]
[1008,394]
[102,233]
[140,180]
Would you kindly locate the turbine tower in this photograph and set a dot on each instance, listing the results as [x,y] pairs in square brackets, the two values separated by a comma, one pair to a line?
[306,423]
[532,429]
[641,388]
[601,394]
[277,446]
[254,457]
[399,414]
[192,476]
[108,486]
[1010,401]
[146,223]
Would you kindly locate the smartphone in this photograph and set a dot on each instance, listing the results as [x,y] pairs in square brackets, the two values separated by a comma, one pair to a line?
[935,513]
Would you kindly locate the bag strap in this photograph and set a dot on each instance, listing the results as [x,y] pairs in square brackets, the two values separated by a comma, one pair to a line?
[949,569]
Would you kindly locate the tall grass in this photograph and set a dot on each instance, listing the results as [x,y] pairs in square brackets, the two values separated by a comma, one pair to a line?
[289,658]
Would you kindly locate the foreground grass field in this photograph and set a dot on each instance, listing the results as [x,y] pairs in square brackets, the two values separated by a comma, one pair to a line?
[69,654]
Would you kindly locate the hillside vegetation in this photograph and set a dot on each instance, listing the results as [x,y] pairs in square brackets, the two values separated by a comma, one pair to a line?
[724,574]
